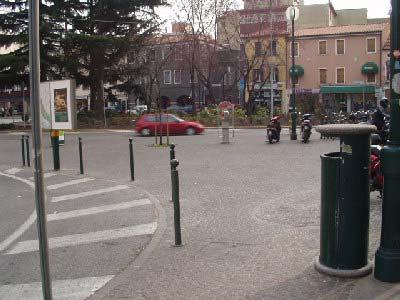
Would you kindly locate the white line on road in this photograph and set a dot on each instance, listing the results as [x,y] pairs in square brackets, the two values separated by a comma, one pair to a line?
[89,193]
[13,171]
[121,131]
[85,238]
[25,226]
[45,175]
[96,210]
[71,289]
[68,183]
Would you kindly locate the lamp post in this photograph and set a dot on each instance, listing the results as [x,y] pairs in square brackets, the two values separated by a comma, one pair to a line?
[292,14]
[387,258]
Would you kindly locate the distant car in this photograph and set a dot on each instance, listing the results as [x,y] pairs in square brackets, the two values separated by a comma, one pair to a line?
[137,110]
[188,109]
[150,123]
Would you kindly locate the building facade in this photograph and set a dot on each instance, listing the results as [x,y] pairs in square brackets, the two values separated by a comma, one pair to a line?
[342,66]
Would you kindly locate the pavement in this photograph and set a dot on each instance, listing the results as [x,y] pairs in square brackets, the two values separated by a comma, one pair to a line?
[250,220]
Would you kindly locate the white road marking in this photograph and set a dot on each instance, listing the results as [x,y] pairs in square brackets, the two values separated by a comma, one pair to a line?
[85,238]
[89,193]
[17,133]
[25,226]
[13,171]
[121,131]
[68,183]
[45,175]
[96,210]
[71,289]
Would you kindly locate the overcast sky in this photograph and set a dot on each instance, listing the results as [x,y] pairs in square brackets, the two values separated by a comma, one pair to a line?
[376,8]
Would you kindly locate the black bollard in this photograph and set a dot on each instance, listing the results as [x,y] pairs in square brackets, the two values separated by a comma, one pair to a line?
[131,160]
[28,152]
[175,199]
[80,155]
[56,149]
[171,157]
[23,149]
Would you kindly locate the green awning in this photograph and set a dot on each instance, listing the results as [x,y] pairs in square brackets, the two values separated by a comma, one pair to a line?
[298,71]
[370,68]
[347,89]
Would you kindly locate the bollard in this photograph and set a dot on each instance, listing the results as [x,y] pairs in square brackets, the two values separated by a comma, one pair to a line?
[175,199]
[80,155]
[23,149]
[171,157]
[56,150]
[131,159]
[28,153]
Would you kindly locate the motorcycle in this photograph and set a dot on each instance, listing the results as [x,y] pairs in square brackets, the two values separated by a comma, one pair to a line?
[376,176]
[274,130]
[306,127]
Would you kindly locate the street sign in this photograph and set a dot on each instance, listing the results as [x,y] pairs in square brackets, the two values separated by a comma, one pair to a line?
[292,13]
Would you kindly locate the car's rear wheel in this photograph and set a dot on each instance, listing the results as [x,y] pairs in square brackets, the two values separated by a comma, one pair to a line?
[190,131]
[145,132]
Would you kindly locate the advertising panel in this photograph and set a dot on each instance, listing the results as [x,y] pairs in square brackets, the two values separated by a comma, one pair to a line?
[58,105]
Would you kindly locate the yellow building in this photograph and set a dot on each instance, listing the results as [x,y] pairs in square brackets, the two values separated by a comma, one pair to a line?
[259,59]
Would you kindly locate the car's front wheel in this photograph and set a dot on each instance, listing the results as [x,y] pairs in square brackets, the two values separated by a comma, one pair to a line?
[190,131]
[145,132]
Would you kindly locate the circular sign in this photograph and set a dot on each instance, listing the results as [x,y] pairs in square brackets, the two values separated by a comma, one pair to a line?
[292,13]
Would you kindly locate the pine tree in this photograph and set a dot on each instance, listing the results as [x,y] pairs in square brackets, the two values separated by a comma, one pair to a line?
[101,34]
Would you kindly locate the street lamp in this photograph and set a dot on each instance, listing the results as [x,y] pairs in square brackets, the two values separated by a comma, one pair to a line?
[292,14]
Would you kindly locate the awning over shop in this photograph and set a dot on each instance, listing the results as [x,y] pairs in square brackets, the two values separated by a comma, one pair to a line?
[298,71]
[370,68]
[347,89]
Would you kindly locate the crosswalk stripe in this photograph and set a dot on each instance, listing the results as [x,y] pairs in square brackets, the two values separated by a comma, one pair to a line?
[71,289]
[13,171]
[68,183]
[45,175]
[89,193]
[85,238]
[96,210]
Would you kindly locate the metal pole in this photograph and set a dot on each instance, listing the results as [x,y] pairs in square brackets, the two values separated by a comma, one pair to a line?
[80,155]
[175,199]
[293,136]
[34,67]
[272,71]
[171,157]
[131,160]
[23,149]
[56,149]
[387,258]
[28,151]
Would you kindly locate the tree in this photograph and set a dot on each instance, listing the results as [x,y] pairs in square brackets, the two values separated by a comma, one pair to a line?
[14,65]
[101,33]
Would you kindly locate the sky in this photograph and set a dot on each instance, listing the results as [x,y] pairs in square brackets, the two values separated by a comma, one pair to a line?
[376,8]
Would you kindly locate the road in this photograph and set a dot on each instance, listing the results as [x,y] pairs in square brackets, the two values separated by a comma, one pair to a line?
[250,217]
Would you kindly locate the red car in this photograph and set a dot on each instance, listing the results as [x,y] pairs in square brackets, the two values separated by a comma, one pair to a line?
[149,124]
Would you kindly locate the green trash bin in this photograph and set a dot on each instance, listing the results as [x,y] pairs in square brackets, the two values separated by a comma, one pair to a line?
[345,202]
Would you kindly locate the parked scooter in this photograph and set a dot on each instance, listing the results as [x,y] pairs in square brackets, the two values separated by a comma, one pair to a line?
[376,177]
[274,130]
[306,127]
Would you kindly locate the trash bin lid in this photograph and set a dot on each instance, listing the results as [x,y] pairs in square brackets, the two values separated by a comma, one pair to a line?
[346,129]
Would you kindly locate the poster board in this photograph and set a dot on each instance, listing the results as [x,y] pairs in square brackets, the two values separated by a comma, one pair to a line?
[58,104]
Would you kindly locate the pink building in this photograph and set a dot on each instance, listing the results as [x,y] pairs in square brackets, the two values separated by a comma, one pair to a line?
[340,67]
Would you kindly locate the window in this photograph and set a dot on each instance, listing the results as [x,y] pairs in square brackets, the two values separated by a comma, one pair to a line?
[177,76]
[371,45]
[340,77]
[258,75]
[257,48]
[296,50]
[340,47]
[228,76]
[274,50]
[371,78]
[167,77]
[322,47]
[150,118]
[323,76]
[152,55]
[275,75]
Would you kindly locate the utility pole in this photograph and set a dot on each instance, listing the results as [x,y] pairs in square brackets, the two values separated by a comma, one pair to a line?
[34,77]
[271,67]
[387,258]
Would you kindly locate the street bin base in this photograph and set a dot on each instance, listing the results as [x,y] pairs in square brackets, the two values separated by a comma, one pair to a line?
[387,265]
[364,271]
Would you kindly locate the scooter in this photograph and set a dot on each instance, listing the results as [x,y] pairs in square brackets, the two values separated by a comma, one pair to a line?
[376,177]
[306,127]
[274,130]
